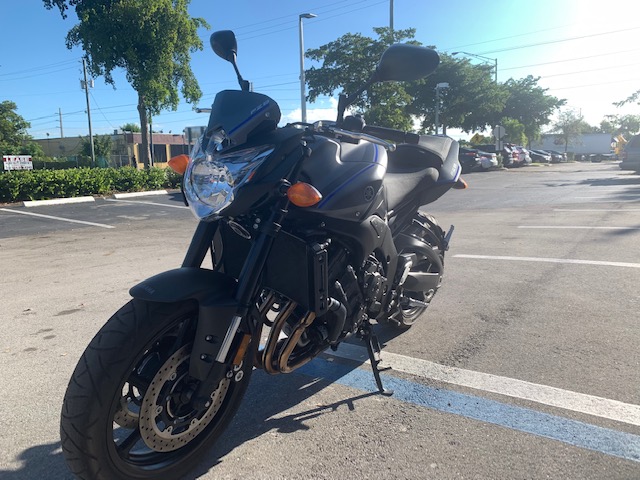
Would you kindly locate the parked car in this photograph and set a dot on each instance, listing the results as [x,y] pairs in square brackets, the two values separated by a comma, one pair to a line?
[469,159]
[510,158]
[523,155]
[488,160]
[556,157]
[540,156]
[630,155]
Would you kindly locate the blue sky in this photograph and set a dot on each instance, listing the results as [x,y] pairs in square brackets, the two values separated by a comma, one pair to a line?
[585,52]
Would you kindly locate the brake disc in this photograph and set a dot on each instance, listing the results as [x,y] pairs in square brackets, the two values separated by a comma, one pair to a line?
[164,425]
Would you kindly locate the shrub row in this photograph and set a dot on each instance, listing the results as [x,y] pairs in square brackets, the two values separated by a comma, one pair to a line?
[23,185]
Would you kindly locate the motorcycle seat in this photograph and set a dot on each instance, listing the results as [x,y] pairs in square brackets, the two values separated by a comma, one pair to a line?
[414,167]
[400,185]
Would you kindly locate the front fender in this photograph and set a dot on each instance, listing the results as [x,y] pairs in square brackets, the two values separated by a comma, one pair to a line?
[215,294]
[185,283]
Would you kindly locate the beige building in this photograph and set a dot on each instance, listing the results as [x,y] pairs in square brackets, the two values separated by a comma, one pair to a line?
[124,147]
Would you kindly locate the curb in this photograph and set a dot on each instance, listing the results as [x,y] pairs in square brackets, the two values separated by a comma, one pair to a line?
[139,194]
[57,201]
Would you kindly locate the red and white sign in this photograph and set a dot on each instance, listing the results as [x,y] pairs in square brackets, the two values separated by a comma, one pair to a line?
[17,162]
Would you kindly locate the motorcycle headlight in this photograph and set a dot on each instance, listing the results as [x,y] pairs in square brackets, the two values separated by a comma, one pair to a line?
[212,178]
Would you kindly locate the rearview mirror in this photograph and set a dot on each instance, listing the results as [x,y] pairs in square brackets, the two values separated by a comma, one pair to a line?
[402,62]
[224,44]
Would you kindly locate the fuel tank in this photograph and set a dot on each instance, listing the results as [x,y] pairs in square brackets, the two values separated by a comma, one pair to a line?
[349,177]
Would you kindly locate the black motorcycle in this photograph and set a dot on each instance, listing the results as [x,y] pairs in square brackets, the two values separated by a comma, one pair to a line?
[314,233]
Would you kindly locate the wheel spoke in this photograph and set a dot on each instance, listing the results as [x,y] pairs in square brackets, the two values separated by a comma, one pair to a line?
[127,444]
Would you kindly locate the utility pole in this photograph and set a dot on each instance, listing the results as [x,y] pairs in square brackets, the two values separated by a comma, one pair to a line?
[61,131]
[391,15]
[86,91]
[151,140]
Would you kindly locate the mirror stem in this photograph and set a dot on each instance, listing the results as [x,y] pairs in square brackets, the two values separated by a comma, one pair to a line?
[244,84]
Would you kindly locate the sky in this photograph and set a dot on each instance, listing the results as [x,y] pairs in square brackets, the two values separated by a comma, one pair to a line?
[584,52]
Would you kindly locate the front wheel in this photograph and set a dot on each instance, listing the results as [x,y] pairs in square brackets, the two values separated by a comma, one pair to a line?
[127,412]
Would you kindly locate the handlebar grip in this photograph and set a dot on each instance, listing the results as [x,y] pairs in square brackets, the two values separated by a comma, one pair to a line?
[392,134]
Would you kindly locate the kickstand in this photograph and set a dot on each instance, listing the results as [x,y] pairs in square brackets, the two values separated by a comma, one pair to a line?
[373,347]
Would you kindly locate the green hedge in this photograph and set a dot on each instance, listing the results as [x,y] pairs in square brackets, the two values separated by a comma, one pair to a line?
[23,185]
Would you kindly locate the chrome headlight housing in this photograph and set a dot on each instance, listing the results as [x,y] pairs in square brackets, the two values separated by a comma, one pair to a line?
[212,177]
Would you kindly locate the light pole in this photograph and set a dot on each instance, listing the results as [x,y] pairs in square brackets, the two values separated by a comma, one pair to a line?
[487,59]
[303,99]
[439,87]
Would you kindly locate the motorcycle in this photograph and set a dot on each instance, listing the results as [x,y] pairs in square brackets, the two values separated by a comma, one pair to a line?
[315,235]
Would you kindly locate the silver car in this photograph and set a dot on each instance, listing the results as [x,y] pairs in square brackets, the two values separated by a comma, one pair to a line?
[631,155]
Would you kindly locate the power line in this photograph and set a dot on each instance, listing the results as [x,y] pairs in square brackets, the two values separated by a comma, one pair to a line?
[590,70]
[596,84]
[572,59]
[549,42]
[41,67]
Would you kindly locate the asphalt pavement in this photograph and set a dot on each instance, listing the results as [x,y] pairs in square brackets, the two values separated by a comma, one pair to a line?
[524,367]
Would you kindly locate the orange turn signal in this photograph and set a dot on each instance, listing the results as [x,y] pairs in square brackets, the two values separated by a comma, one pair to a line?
[179,163]
[460,184]
[303,195]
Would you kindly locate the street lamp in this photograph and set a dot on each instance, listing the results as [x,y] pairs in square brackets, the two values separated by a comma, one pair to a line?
[494,60]
[303,99]
[439,87]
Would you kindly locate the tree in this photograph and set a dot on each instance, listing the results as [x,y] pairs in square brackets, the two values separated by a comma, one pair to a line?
[529,104]
[514,131]
[625,125]
[151,39]
[633,98]
[569,126]
[14,139]
[101,145]
[348,62]
[472,101]
[130,127]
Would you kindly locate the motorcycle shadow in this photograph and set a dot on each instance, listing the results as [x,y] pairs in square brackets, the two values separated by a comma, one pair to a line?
[267,397]
[40,461]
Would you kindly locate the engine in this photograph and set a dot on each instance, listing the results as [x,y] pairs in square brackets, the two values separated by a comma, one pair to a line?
[360,291]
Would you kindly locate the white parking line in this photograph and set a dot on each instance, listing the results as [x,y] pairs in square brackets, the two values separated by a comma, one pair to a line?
[577,227]
[550,260]
[596,209]
[145,203]
[139,194]
[62,219]
[552,396]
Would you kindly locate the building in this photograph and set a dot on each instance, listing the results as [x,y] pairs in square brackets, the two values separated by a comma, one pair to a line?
[124,147]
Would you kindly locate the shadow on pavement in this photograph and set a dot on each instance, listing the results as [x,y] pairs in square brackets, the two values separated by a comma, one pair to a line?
[266,397]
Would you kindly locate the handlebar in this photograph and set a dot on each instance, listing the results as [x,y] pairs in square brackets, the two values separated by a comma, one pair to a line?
[363,136]
[369,133]
[397,136]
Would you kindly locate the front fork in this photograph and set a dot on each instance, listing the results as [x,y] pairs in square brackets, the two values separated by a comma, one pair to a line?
[218,324]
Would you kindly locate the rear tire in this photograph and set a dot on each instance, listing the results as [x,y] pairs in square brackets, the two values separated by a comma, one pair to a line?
[108,419]
[430,260]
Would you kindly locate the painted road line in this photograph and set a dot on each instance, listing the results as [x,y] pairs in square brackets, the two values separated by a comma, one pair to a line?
[579,434]
[140,194]
[57,201]
[604,201]
[613,193]
[511,387]
[596,209]
[62,219]
[550,260]
[145,203]
[577,227]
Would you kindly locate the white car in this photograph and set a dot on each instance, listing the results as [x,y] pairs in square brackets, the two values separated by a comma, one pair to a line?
[523,155]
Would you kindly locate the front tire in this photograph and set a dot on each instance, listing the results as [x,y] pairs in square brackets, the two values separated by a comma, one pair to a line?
[126,413]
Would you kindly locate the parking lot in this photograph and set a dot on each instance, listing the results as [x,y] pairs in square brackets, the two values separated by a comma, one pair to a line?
[525,366]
